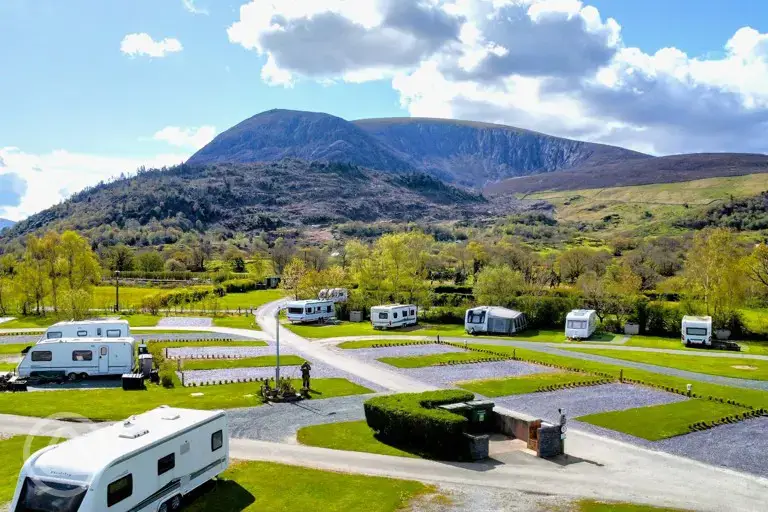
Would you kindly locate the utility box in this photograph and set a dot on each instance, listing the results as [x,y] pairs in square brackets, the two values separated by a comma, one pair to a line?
[355,316]
[145,365]
[631,328]
[480,415]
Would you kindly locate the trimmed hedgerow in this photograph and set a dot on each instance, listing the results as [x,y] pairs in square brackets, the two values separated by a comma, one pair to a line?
[412,420]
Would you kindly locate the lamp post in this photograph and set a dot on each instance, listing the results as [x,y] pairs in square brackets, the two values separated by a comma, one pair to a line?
[117,291]
[277,341]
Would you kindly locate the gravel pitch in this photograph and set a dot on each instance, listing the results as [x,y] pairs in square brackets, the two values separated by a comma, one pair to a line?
[587,400]
[201,352]
[10,340]
[280,422]
[448,375]
[191,336]
[372,354]
[183,321]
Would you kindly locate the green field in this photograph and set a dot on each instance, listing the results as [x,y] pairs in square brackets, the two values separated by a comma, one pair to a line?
[366,329]
[12,458]
[29,322]
[130,296]
[246,362]
[662,421]
[354,436]
[525,384]
[433,359]
[13,349]
[747,347]
[237,322]
[247,300]
[116,404]
[601,506]
[558,336]
[738,368]
[140,320]
[266,486]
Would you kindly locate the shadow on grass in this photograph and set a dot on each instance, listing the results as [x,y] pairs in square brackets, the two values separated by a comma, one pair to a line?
[219,495]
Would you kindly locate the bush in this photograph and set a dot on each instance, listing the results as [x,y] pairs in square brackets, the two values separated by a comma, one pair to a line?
[545,311]
[412,420]
[462,290]
[444,315]
[241,285]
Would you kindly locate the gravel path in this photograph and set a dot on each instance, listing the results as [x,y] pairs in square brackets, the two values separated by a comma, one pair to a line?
[372,354]
[448,375]
[11,340]
[587,400]
[193,352]
[191,336]
[279,422]
[184,321]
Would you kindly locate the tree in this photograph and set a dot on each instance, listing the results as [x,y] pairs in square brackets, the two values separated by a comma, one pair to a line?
[623,286]
[235,258]
[714,274]
[149,261]
[174,265]
[292,278]
[80,267]
[573,263]
[50,251]
[281,253]
[497,285]
[119,258]
[595,295]
[7,272]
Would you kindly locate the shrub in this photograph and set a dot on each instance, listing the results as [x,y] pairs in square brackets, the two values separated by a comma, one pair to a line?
[444,315]
[241,285]
[413,420]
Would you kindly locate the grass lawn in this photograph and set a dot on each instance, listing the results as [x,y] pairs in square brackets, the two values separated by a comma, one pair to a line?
[246,362]
[30,322]
[756,369]
[366,329]
[354,436]
[116,404]
[237,322]
[130,296]
[433,359]
[140,320]
[754,397]
[661,421]
[252,299]
[524,384]
[7,367]
[600,506]
[258,486]
[139,330]
[13,349]
[558,336]
[12,459]
[655,342]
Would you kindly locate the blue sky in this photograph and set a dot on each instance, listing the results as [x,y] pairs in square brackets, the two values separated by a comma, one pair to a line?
[66,85]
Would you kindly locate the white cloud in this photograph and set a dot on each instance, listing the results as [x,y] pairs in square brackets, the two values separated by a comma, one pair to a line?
[51,177]
[143,44]
[194,138]
[190,6]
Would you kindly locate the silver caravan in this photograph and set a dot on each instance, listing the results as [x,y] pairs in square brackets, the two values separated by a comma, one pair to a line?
[147,463]
[333,294]
[310,310]
[88,329]
[394,315]
[494,320]
[580,324]
[696,330]
[79,358]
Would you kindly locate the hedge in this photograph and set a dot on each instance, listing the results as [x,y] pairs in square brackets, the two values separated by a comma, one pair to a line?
[241,285]
[412,420]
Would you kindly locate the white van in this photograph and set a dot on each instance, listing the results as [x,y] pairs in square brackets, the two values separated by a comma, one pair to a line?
[79,358]
[493,320]
[580,324]
[310,310]
[88,329]
[394,315]
[696,330]
[146,463]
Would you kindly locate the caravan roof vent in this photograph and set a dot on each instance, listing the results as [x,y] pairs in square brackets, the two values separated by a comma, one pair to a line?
[133,432]
[170,416]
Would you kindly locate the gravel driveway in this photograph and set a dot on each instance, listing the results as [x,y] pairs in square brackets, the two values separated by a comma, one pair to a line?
[184,321]
[10,340]
[193,352]
[279,422]
[447,375]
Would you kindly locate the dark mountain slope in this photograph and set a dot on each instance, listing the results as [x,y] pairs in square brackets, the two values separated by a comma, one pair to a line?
[474,154]
[667,169]
[311,136]
[256,197]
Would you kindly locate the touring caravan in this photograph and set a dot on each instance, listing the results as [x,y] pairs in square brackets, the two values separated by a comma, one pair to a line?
[79,358]
[311,310]
[146,463]
[333,294]
[493,320]
[394,315]
[580,324]
[88,329]
[696,330]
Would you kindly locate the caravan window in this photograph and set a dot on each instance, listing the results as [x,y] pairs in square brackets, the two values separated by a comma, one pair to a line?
[394,315]
[309,311]
[53,335]
[217,440]
[45,496]
[165,464]
[413,312]
[82,355]
[696,331]
[477,317]
[113,333]
[82,334]
[296,311]
[577,324]
[383,316]
[42,355]
[103,351]
[119,490]
[330,308]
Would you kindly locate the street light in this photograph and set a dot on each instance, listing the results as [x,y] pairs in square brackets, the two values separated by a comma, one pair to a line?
[117,291]
[277,341]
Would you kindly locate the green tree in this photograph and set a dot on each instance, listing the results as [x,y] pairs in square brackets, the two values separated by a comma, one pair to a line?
[119,257]
[80,267]
[293,278]
[149,261]
[497,285]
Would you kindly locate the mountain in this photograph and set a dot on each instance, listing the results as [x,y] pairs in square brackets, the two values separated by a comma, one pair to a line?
[5,223]
[467,153]
[666,169]
[157,206]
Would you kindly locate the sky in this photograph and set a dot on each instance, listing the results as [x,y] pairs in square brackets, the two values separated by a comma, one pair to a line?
[91,89]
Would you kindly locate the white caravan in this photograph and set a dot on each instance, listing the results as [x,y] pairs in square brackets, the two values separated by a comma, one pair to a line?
[310,310]
[580,324]
[696,330]
[394,315]
[493,320]
[147,463]
[333,294]
[79,358]
[88,329]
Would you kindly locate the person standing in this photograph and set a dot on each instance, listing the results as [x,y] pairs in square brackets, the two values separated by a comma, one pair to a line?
[305,369]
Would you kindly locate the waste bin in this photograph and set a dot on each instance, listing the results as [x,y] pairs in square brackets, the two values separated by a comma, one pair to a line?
[480,414]
[457,408]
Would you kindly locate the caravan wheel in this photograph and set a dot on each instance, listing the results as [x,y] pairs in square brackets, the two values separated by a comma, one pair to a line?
[176,503]
[72,377]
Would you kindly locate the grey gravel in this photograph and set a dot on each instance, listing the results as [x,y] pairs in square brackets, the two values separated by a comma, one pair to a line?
[191,336]
[372,354]
[193,352]
[587,400]
[465,498]
[280,422]
[185,321]
[27,338]
[450,374]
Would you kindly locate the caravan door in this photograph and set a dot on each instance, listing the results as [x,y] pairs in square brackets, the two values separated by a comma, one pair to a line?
[103,359]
